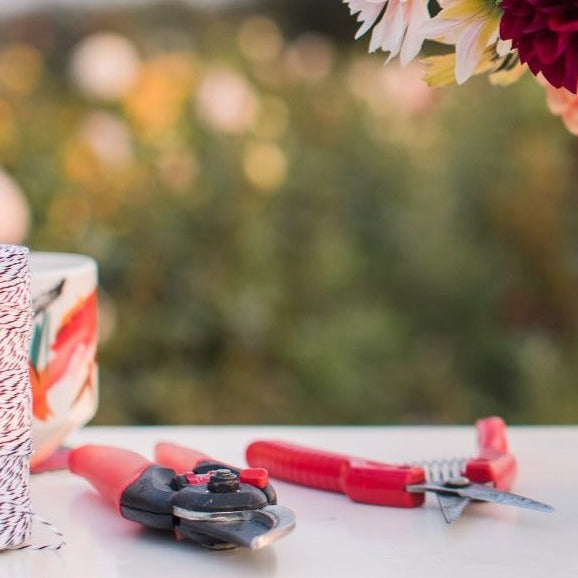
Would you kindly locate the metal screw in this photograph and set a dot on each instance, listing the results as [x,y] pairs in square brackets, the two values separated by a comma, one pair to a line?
[179,482]
[457,482]
[223,481]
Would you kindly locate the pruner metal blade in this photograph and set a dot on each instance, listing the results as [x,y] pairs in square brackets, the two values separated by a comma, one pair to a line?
[455,494]
[252,529]
[452,507]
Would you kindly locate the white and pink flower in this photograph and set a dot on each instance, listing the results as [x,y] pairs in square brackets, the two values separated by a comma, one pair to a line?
[396,25]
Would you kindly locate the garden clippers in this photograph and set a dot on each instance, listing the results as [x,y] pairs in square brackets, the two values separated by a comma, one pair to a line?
[486,477]
[188,493]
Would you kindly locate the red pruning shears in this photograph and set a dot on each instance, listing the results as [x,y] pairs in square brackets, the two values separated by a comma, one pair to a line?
[486,477]
[187,492]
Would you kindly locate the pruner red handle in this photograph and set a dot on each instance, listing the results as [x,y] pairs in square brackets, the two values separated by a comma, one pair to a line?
[361,480]
[179,458]
[494,464]
[183,459]
[110,470]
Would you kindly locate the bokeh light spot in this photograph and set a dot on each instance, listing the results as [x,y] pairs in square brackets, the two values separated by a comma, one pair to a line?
[260,39]
[226,102]
[109,139]
[164,86]
[310,57]
[20,68]
[105,66]
[265,165]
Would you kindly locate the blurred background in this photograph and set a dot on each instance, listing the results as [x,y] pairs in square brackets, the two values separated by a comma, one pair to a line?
[287,231]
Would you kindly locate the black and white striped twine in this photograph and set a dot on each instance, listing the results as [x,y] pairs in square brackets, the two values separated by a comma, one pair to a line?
[16,516]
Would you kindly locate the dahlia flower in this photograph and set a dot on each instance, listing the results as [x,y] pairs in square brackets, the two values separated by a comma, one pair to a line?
[545,34]
[472,25]
[398,30]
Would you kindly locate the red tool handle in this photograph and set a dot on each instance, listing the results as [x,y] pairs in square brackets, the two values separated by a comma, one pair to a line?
[299,465]
[361,480]
[110,470]
[494,463]
[183,460]
[179,458]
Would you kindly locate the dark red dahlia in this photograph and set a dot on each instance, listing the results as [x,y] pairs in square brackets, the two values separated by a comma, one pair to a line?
[545,33]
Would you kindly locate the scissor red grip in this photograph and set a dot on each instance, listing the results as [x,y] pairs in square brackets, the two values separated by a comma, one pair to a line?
[494,463]
[361,480]
[299,465]
[179,458]
[383,484]
[110,470]
[492,435]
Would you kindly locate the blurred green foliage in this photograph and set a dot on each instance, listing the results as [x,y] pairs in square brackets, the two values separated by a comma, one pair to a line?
[350,248]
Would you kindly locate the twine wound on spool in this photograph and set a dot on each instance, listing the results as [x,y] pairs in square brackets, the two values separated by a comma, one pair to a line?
[16,516]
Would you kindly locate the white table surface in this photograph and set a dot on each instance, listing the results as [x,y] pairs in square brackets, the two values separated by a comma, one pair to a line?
[333,537]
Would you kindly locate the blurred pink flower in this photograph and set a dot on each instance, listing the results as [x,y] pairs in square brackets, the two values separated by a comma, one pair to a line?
[109,138]
[564,104]
[105,66]
[407,93]
[398,30]
[226,102]
[14,212]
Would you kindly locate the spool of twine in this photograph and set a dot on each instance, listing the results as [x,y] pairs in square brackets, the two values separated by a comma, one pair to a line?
[16,516]
[15,397]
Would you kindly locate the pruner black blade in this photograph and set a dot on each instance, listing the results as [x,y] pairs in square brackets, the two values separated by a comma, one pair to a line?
[252,529]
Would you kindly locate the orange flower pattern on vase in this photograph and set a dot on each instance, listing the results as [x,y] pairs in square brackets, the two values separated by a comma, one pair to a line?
[75,342]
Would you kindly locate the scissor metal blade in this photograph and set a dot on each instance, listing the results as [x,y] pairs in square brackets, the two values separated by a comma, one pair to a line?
[483,493]
[252,529]
[489,494]
[452,506]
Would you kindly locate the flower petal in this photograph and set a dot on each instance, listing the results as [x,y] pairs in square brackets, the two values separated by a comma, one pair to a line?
[468,52]
[389,31]
[369,12]
[413,41]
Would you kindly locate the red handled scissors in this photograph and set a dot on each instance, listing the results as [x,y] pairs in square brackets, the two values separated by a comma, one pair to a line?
[486,477]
